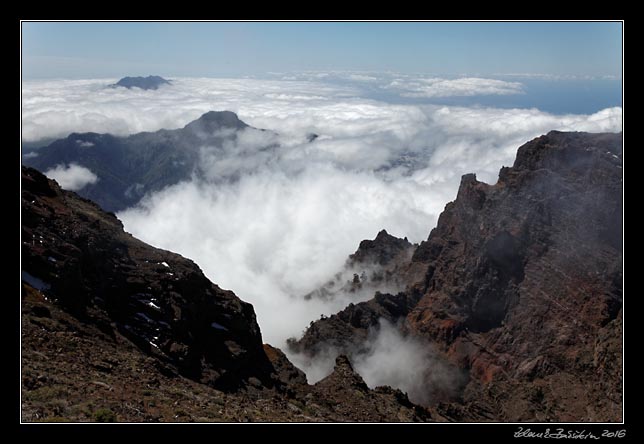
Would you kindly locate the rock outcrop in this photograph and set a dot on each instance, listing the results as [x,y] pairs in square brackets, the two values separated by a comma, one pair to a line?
[378,265]
[383,250]
[367,405]
[347,329]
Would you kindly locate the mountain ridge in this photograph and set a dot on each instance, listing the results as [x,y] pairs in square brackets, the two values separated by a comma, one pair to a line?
[129,167]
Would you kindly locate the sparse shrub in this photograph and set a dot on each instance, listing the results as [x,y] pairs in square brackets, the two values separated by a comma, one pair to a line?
[104,415]
[180,413]
[47,393]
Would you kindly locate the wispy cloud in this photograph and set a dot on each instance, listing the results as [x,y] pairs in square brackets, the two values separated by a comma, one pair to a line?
[71,177]
[544,76]
[462,87]
[388,357]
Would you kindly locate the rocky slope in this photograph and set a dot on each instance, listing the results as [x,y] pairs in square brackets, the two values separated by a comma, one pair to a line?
[81,258]
[129,167]
[522,288]
[116,330]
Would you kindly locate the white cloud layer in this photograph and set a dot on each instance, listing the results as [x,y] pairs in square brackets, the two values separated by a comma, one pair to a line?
[461,87]
[293,213]
[71,177]
[60,107]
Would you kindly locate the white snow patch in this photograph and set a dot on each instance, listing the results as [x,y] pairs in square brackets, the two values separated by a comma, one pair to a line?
[146,318]
[34,281]
[218,326]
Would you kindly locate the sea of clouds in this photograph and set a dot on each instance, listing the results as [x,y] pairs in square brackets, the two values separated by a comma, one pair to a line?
[294,212]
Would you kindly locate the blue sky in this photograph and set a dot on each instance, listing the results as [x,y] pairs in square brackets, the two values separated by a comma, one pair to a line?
[90,50]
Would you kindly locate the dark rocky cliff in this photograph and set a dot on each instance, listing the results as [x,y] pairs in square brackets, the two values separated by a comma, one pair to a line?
[524,282]
[522,287]
[158,299]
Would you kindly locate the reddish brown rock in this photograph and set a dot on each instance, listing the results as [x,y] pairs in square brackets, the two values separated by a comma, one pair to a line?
[521,287]
[523,276]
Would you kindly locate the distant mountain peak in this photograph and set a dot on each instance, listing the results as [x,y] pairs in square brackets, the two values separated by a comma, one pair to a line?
[146,83]
[214,120]
[131,166]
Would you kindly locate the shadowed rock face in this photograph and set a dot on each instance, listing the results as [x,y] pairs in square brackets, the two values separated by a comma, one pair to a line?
[524,282]
[130,167]
[159,300]
[522,287]
[552,218]
[146,83]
